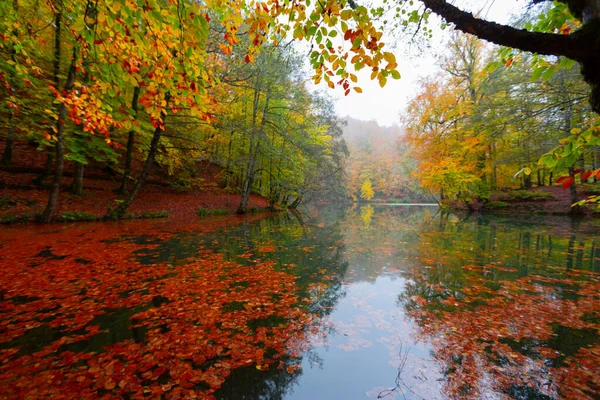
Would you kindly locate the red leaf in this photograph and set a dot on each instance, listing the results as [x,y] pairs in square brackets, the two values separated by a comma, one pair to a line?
[562,179]
[567,183]
[577,171]
[586,175]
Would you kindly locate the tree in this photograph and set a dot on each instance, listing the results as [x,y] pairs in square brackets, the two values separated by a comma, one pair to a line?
[366,190]
[583,45]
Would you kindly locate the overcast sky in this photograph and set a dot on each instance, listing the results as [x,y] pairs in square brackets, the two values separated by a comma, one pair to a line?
[385,105]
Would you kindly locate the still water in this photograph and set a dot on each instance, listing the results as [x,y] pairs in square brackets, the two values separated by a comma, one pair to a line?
[369,302]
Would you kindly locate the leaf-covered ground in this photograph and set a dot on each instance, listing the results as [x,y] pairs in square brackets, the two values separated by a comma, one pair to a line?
[21,198]
[81,317]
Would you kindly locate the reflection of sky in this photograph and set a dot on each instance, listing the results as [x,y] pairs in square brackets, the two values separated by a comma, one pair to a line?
[361,356]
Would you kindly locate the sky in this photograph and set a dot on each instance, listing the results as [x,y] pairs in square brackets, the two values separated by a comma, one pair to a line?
[385,105]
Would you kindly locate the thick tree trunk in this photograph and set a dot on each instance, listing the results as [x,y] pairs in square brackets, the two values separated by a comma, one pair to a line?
[124,206]
[130,143]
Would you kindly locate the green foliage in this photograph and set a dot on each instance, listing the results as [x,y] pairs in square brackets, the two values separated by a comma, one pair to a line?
[590,188]
[17,218]
[494,205]
[153,214]
[523,195]
[202,212]
[77,216]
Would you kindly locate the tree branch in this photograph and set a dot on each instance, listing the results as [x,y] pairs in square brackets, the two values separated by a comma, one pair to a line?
[571,46]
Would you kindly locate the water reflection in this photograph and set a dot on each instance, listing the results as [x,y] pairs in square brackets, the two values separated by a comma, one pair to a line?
[406,302]
[413,303]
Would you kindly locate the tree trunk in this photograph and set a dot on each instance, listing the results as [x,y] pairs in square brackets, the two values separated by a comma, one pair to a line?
[47,168]
[582,166]
[254,148]
[576,210]
[10,137]
[124,206]
[296,202]
[130,143]
[77,186]
[595,157]
[10,141]
[52,205]
[527,181]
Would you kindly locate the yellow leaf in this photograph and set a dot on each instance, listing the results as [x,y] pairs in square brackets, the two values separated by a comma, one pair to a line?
[358,90]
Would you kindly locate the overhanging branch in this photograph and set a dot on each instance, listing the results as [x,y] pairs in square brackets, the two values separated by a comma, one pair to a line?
[571,46]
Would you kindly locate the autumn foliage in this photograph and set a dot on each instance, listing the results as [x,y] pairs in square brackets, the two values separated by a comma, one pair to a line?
[115,327]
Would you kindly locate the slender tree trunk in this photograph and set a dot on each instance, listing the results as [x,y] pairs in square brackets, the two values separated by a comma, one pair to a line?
[56,79]
[11,134]
[527,181]
[50,153]
[10,141]
[52,205]
[124,206]
[77,186]
[595,157]
[582,166]
[254,149]
[130,143]
[576,210]
[296,202]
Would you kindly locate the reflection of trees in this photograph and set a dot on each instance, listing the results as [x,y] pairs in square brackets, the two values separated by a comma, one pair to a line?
[366,213]
[383,242]
[508,307]
[315,255]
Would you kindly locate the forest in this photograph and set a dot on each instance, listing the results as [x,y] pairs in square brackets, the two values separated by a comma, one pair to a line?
[480,126]
[168,150]
[122,88]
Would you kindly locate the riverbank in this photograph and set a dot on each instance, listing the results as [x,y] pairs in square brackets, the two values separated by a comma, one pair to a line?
[546,200]
[22,200]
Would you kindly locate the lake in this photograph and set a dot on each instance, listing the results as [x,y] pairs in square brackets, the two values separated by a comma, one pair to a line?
[374,301]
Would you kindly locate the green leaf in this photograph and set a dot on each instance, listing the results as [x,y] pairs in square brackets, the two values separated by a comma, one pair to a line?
[537,73]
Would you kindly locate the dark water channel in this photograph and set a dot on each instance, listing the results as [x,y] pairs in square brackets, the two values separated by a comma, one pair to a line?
[407,302]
